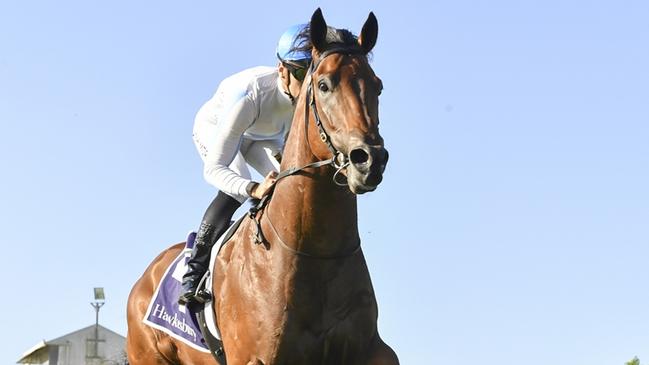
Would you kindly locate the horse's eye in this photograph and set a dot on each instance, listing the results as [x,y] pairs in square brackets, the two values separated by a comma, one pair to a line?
[323,86]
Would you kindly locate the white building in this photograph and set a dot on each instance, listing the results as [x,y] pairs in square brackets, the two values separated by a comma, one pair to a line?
[93,345]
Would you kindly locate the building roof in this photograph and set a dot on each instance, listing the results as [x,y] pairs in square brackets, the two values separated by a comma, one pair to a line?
[60,339]
[39,353]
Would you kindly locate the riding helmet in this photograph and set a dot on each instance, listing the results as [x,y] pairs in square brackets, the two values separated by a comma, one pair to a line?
[285,51]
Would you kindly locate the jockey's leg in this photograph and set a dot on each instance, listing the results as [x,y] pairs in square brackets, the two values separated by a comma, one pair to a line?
[215,221]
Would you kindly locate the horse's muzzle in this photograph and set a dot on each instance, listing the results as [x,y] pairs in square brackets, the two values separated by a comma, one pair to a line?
[367,164]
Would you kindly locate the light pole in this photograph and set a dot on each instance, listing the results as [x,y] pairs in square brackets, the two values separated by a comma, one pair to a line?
[98,303]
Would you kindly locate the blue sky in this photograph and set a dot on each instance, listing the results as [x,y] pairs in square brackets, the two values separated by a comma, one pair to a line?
[512,223]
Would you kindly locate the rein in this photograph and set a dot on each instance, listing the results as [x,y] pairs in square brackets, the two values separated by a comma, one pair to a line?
[308,255]
[338,160]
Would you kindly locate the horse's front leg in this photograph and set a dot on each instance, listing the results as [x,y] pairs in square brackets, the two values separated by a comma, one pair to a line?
[382,354]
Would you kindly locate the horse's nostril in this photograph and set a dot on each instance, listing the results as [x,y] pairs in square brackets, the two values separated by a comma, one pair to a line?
[358,156]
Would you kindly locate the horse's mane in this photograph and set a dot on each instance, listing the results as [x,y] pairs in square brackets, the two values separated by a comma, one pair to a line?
[335,38]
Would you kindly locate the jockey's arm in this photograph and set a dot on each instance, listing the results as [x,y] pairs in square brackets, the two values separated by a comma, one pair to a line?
[231,126]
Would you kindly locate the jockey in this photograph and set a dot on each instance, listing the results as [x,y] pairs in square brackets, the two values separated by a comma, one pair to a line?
[244,123]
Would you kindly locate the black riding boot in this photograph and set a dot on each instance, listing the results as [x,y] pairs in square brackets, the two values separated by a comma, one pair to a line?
[197,264]
[215,221]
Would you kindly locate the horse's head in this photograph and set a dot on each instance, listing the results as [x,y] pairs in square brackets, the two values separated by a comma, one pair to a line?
[345,98]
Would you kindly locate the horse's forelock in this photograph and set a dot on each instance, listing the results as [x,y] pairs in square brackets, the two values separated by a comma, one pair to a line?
[334,38]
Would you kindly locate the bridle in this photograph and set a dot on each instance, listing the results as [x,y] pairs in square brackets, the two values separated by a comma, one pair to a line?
[339,160]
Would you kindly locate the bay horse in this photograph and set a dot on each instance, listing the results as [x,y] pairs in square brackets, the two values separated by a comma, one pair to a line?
[305,295]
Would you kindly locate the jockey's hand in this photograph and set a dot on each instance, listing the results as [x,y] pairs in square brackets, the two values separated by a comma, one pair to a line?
[265,187]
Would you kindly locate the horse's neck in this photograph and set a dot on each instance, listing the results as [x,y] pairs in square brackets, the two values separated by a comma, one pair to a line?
[317,216]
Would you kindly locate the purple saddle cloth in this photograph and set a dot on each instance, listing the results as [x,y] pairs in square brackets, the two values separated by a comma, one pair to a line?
[165,314]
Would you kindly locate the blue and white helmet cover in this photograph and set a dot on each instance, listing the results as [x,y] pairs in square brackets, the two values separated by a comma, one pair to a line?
[286,42]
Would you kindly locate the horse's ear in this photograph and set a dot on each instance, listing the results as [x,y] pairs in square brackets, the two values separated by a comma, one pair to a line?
[318,28]
[370,32]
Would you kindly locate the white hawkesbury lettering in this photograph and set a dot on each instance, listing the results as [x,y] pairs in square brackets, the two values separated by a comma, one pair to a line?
[161,312]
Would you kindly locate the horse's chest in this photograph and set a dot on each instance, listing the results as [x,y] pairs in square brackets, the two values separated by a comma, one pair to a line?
[311,314]
[334,321]
[343,341]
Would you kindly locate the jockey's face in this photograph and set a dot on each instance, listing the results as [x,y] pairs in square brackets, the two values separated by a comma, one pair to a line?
[292,78]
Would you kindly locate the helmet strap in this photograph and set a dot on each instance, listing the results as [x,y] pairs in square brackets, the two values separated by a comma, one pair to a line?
[288,88]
